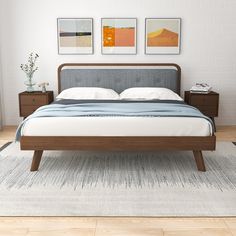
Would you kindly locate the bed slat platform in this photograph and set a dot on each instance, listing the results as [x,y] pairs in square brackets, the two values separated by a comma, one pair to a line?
[118,77]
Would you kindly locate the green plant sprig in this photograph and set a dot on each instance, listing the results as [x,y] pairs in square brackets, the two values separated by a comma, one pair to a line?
[30,68]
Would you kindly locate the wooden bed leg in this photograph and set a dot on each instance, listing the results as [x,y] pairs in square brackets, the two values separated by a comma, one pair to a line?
[36,160]
[199,160]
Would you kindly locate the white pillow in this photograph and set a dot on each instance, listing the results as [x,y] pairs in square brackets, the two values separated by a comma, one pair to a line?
[149,93]
[88,93]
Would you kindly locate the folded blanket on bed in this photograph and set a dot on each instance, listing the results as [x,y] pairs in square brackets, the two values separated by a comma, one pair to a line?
[78,108]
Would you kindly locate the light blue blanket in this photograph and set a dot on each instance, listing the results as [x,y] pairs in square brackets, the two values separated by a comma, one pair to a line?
[114,109]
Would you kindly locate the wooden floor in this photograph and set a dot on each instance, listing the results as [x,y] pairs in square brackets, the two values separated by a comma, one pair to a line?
[118,226]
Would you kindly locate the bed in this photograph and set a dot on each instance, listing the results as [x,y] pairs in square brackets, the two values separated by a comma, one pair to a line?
[108,133]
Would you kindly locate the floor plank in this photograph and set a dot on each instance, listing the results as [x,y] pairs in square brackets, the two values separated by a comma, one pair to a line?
[13,232]
[200,232]
[129,232]
[164,223]
[233,231]
[49,223]
[66,232]
[231,223]
[226,133]
[7,134]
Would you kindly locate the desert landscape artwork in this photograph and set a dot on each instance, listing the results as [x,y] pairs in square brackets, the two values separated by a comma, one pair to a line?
[118,36]
[162,36]
[75,36]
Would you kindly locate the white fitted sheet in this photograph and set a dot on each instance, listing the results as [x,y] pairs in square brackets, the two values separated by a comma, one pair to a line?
[117,126]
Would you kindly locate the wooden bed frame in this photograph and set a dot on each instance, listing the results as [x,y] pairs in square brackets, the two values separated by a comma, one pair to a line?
[40,143]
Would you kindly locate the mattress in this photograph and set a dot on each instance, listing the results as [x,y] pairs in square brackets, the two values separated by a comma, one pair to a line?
[117,126]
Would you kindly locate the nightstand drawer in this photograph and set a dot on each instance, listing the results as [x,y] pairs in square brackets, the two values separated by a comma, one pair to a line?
[33,100]
[211,111]
[29,102]
[203,100]
[28,110]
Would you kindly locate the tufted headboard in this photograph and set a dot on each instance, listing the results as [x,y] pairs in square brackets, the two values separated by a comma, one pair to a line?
[119,76]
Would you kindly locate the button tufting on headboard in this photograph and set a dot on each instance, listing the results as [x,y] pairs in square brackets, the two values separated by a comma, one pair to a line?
[119,76]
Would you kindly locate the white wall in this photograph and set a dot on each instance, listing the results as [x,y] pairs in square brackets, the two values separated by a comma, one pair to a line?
[2,15]
[1,99]
[208,42]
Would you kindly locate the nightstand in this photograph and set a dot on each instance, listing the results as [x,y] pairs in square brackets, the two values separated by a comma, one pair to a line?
[29,102]
[208,103]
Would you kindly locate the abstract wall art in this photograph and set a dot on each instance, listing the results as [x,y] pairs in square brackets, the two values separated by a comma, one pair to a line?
[162,35]
[75,35]
[119,35]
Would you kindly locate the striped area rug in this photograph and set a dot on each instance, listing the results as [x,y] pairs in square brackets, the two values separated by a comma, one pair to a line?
[71,183]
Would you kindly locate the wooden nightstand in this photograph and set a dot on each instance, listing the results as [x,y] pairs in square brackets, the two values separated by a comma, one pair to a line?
[29,102]
[208,103]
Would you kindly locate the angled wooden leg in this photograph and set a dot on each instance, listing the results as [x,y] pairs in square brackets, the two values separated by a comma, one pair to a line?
[36,160]
[199,160]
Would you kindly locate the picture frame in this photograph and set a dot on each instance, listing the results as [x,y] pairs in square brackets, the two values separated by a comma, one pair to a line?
[119,36]
[75,35]
[162,35]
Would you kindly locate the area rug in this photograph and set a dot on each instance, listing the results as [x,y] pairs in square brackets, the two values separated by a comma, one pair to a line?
[71,183]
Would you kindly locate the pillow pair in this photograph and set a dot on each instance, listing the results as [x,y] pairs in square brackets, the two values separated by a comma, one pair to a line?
[137,93]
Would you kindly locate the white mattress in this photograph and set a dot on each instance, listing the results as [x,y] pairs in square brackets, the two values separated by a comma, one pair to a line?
[117,126]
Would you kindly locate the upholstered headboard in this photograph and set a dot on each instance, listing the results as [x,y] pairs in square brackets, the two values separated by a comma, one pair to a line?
[119,76]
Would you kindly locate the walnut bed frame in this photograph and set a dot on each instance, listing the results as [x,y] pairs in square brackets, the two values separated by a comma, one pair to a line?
[118,77]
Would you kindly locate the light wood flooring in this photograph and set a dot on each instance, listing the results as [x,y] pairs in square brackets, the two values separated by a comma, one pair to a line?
[118,226]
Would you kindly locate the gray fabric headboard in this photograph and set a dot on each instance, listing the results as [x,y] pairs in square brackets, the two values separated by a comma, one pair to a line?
[119,76]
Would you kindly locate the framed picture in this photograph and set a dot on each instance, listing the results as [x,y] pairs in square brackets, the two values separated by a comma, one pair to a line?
[119,35]
[162,35]
[75,35]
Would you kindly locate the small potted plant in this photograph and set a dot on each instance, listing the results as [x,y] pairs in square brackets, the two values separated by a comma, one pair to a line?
[30,68]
